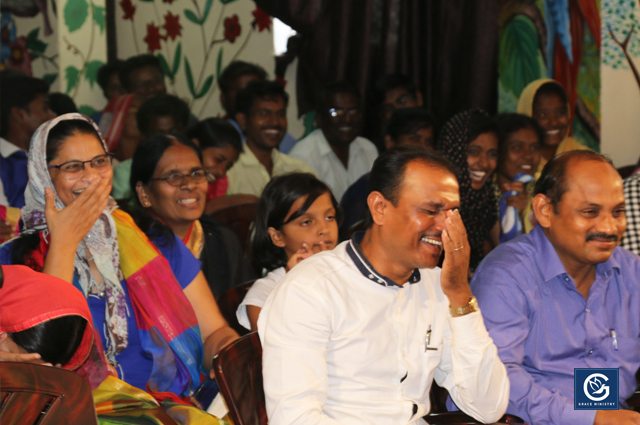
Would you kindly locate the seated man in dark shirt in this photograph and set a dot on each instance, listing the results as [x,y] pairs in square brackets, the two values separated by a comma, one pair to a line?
[407,126]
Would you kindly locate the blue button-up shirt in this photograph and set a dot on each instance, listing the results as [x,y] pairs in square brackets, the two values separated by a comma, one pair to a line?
[544,328]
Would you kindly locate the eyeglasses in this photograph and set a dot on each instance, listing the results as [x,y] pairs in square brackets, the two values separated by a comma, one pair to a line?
[338,112]
[178,179]
[100,163]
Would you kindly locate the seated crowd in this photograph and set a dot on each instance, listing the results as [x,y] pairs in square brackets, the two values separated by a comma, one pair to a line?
[481,254]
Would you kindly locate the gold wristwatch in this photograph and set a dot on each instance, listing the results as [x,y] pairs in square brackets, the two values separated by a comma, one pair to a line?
[471,306]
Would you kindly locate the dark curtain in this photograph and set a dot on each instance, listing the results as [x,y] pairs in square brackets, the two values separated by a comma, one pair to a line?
[448,47]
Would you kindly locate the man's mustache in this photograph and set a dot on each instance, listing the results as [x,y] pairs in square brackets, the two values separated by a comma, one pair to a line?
[602,237]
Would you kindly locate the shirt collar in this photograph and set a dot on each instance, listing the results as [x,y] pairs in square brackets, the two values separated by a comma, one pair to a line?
[7,148]
[367,270]
[546,255]
[323,146]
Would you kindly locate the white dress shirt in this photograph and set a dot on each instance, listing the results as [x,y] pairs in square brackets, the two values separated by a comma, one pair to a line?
[316,151]
[258,294]
[344,344]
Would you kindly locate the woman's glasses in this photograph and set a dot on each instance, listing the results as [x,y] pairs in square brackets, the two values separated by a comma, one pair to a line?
[99,163]
[178,179]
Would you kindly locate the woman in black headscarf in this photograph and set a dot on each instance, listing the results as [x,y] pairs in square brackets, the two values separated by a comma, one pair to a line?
[470,141]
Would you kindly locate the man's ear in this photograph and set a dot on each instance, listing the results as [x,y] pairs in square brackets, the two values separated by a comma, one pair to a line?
[276,237]
[542,209]
[419,98]
[18,115]
[388,143]
[143,197]
[241,118]
[378,205]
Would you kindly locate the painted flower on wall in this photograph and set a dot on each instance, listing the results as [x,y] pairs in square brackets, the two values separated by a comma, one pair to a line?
[172,25]
[262,20]
[232,28]
[8,36]
[153,37]
[128,8]
[20,58]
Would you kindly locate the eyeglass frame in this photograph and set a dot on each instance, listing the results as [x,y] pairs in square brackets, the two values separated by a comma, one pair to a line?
[59,166]
[184,177]
[340,112]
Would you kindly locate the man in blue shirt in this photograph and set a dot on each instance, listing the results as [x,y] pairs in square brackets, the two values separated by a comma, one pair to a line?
[24,105]
[552,299]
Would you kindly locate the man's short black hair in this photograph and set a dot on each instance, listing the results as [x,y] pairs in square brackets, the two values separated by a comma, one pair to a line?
[106,71]
[335,88]
[237,69]
[17,92]
[509,123]
[553,183]
[134,63]
[408,121]
[61,103]
[387,173]
[259,90]
[160,106]
[390,82]
[552,88]
[216,133]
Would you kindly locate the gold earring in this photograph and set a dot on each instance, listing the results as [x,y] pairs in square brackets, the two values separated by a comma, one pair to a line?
[146,204]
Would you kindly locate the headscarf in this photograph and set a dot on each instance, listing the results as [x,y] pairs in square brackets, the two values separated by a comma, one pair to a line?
[477,207]
[29,298]
[101,239]
[113,119]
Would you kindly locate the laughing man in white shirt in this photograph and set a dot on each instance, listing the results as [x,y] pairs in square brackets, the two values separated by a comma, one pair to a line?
[356,335]
[336,153]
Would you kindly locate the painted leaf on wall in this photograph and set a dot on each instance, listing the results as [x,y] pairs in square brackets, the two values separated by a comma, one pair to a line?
[518,55]
[92,71]
[226,1]
[99,17]
[205,87]
[50,78]
[165,66]
[192,16]
[177,59]
[86,110]
[207,9]
[75,14]
[219,63]
[189,75]
[71,74]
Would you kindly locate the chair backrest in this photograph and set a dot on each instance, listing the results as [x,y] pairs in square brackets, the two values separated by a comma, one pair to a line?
[33,394]
[228,303]
[238,218]
[238,369]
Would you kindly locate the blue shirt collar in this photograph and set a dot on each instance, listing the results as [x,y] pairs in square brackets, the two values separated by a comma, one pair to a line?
[549,263]
[367,270]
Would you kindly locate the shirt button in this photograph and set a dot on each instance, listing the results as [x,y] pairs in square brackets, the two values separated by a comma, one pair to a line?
[588,311]
[566,278]
[591,351]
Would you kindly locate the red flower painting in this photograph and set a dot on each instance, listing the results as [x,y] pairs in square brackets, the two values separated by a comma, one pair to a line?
[232,28]
[172,25]
[153,37]
[128,8]
[20,57]
[262,20]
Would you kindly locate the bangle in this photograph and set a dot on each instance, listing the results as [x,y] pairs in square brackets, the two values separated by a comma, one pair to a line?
[471,306]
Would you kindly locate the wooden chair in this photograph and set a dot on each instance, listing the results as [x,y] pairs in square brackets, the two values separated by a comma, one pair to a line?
[228,303]
[239,218]
[238,369]
[33,394]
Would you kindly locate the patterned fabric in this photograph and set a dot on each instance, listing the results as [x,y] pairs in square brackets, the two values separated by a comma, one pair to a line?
[195,239]
[510,222]
[477,207]
[101,239]
[631,239]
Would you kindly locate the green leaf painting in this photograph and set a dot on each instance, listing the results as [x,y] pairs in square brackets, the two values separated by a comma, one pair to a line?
[75,14]
[177,60]
[226,1]
[33,34]
[192,16]
[99,17]
[50,78]
[219,63]
[518,55]
[34,45]
[86,110]
[92,71]
[71,74]
[165,66]
[189,75]
[207,9]
[205,87]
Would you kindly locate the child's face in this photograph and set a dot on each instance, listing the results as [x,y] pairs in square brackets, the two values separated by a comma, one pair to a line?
[316,225]
[219,160]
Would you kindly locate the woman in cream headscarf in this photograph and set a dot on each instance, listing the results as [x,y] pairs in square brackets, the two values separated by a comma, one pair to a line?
[546,102]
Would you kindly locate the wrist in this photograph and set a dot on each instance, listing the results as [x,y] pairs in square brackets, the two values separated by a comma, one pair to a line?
[459,298]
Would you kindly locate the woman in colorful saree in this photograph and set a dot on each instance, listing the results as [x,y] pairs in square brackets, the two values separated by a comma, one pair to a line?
[157,320]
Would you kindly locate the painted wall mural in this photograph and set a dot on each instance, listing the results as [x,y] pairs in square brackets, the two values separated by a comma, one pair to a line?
[557,39]
[194,41]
